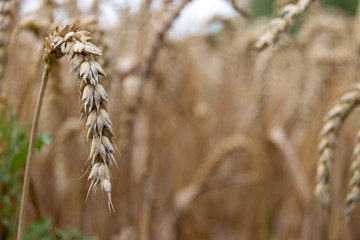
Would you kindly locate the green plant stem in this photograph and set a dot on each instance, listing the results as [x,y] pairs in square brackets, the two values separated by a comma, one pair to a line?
[25,190]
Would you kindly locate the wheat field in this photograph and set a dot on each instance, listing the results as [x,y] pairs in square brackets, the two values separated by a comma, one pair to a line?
[245,130]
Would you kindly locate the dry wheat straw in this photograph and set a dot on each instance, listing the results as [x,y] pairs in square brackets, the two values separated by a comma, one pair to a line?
[328,139]
[280,24]
[74,43]
[217,156]
[278,136]
[34,128]
[211,165]
[154,42]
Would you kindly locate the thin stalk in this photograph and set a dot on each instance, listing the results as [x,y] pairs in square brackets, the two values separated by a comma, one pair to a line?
[25,190]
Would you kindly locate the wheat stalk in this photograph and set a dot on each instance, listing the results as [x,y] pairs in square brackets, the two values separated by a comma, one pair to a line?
[280,24]
[143,67]
[25,190]
[134,83]
[278,137]
[328,139]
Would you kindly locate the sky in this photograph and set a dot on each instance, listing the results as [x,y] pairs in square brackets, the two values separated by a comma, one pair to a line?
[192,19]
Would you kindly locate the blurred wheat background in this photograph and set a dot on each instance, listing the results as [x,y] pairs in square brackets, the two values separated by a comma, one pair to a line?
[215,139]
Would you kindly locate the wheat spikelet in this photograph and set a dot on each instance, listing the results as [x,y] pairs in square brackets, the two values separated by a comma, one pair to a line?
[74,43]
[100,39]
[279,25]
[328,138]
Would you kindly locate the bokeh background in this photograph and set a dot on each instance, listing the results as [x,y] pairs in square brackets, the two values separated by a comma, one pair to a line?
[213,113]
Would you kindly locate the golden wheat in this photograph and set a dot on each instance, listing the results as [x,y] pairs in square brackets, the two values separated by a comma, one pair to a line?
[74,43]
[328,139]
[279,25]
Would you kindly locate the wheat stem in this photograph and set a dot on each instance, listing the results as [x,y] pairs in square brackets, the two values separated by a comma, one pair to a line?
[25,190]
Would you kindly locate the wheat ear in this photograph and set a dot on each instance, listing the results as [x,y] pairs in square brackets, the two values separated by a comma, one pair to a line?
[74,43]
[353,196]
[282,23]
[328,139]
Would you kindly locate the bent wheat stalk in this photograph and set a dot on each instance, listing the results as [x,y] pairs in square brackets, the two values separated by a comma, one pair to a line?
[328,139]
[34,128]
[277,136]
[184,197]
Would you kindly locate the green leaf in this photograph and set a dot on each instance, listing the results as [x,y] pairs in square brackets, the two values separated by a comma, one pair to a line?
[40,230]
[41,140]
